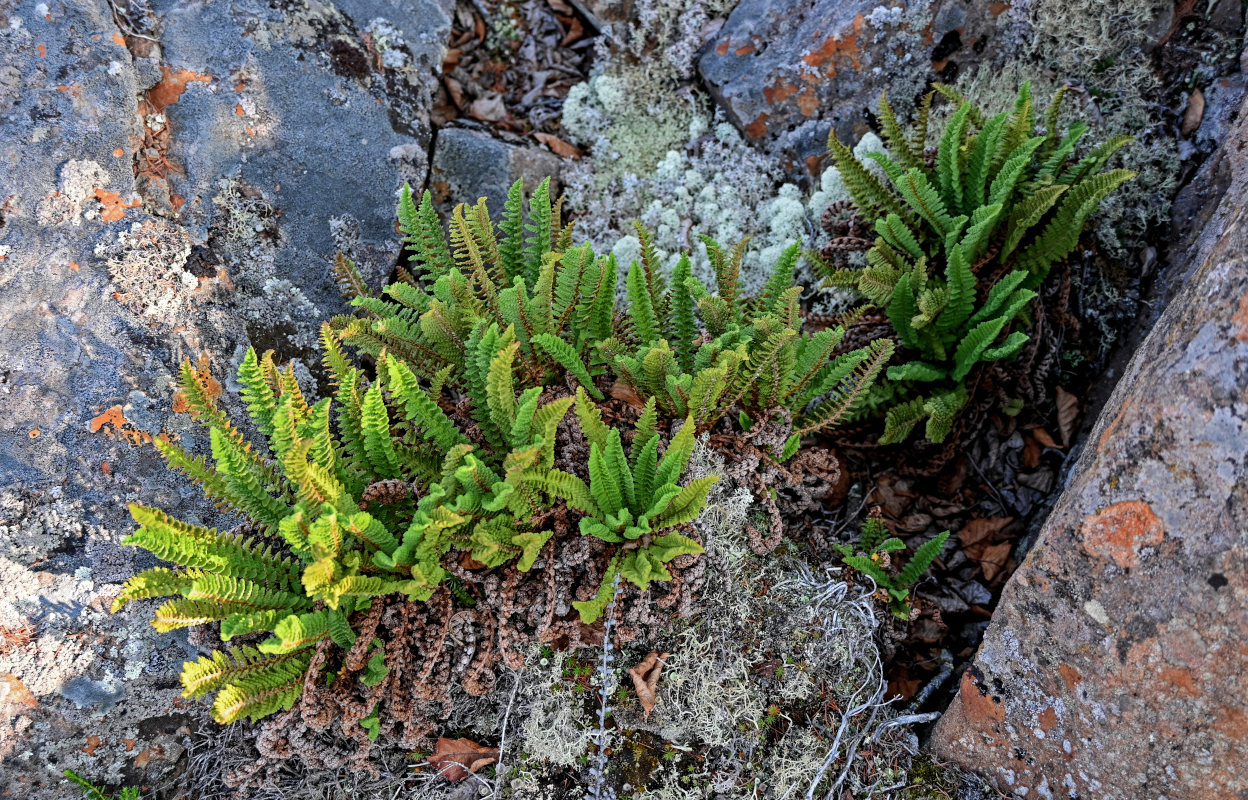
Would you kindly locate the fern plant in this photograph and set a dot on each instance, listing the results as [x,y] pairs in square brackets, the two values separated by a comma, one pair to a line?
[964,239]
[557,298]
[633,500]
[92,791]
[871,558]
[307,556]
[446,445]
[753,355]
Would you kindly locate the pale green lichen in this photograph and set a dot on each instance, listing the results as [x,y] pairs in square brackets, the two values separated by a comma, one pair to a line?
[555,730]
[1101,50]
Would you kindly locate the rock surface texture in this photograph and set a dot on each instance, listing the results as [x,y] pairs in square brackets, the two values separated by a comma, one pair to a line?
[1116,665]
[470,164]
[779,67]
[174,181]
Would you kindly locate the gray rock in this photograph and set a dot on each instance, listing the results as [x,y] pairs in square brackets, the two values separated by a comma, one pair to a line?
[310,108]
[469,164]
[1114,666]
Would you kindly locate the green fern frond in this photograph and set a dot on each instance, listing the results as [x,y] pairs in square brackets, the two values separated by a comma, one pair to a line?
[499,389]
[155,582]
[422,232]
[958,99]
[867,364]
[925,200]
[246,488]
[1026,214]
[199,391]
[571,489]
[563,353]
[208,549]
[918,139]
[961,286]
[656,284]
[942,410]
[900,420]
[921,560]
[1016,164]
[895,138]
[1096,158]
[375,425]
[539,227]
[184,613]
[257,392]
[983,158]
[511,248]
[949,157]
[686,506]
[212,672]
[864,187]
[645,323]
[197,469]
[781,280]
[420,407]
[256,697]
[1061,235]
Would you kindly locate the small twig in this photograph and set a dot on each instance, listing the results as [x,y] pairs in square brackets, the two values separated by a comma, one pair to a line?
[908,719]
[502,738]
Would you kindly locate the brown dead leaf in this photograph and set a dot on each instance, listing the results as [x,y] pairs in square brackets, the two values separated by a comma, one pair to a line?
[622,391]
[1067,412]
[893,495]
[14,695]
[1044,438]
[468,562]
[559,6]
[575,31]
[456,759]
[558,146]
[646,677]
[977,534]
[488,108]
[456,91]
[994,559]
[1031,451]
[1194,112]
[914,523]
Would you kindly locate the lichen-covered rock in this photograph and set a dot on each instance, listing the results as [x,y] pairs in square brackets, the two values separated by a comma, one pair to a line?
[174,179]
[778,65]
[1115,666]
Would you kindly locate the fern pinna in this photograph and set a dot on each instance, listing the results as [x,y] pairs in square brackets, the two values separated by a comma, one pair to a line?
[963,240]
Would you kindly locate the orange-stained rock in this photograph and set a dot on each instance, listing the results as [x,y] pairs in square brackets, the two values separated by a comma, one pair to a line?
[1116,665]
[1120,531]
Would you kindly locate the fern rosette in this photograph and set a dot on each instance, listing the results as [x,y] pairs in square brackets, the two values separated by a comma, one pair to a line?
[964,240]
